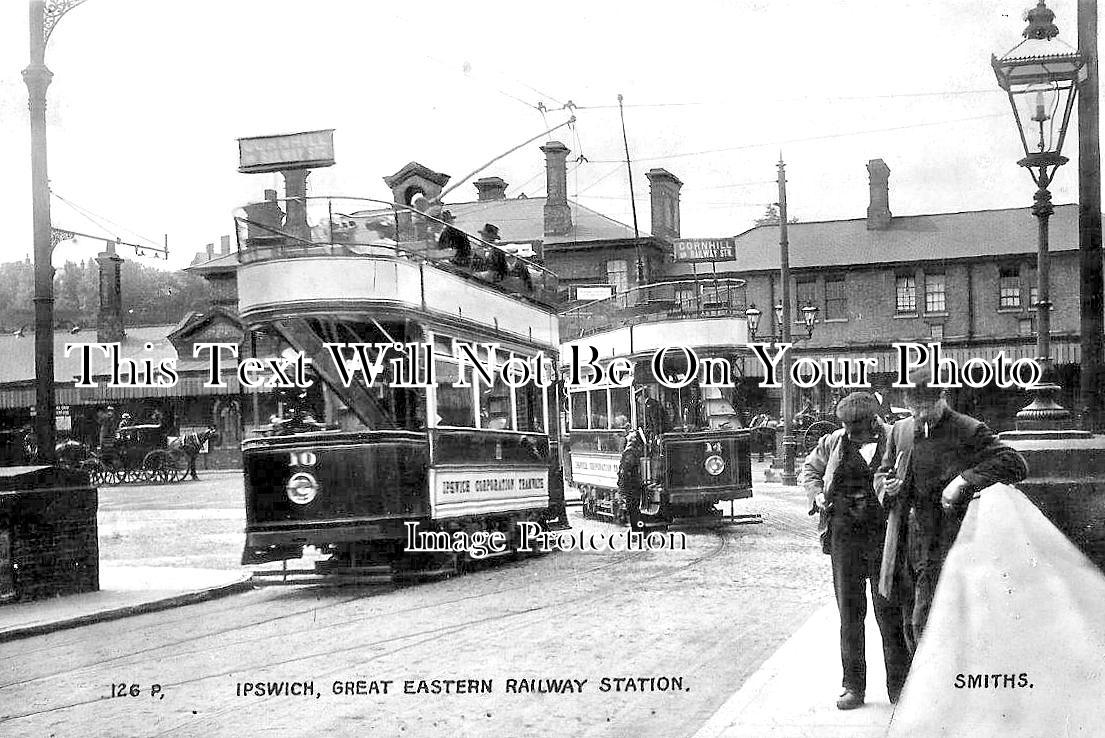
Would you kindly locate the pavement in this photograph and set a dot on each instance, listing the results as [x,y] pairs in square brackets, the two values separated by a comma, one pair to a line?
[793,694]
[124,591]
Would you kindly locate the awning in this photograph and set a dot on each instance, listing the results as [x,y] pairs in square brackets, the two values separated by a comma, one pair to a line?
[187,386]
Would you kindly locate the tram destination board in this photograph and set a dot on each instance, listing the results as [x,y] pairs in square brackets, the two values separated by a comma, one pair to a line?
[704,249]
[304,150]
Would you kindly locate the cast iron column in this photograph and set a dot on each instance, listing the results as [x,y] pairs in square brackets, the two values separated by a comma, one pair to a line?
[37,77]
[1044,412]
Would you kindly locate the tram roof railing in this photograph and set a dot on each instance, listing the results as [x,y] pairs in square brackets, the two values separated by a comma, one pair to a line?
[722,297]
[343,226]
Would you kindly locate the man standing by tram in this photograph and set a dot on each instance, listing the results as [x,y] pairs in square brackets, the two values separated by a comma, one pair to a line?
[838,476]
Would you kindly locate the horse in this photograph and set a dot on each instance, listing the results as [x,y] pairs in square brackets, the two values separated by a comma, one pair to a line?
[191,443]
[71,453]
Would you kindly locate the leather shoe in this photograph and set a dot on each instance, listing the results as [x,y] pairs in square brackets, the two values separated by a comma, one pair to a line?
[850,700]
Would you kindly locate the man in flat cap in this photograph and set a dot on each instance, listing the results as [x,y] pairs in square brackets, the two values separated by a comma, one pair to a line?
[935,462]
[838,475]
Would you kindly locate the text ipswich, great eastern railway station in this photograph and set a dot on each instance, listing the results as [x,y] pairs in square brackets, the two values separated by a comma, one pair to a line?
[512,685]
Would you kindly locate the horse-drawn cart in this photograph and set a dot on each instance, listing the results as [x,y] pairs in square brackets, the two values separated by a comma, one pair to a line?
[138,453]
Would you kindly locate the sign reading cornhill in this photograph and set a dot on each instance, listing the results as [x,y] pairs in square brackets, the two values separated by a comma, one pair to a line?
[307,150]
[705,249]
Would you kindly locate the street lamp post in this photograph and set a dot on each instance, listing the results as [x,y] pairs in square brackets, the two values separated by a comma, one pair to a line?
[1041,76]
[44,17]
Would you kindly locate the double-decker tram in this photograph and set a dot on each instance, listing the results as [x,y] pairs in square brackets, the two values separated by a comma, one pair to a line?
[674,418]
[401,453]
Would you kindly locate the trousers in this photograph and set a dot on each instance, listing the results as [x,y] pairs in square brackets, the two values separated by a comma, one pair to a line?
[856,552]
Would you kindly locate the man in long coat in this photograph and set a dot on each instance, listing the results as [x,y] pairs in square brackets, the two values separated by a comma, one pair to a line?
[935,462]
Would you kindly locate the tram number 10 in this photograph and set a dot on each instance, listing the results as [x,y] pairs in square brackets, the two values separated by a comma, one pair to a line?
[303,458]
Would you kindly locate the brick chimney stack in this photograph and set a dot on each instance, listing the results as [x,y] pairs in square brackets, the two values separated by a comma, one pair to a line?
[490,188]
[109,317]
[664,188]
[224,245]
[878,212]
[558,217]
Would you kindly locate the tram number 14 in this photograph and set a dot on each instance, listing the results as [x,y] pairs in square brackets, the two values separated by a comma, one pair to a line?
[303,458]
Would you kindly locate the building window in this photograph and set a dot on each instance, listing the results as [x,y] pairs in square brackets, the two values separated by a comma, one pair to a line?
[804,294]
[1009,287]
[1026,327]
[936,331]
[836,299]
[905,291]
[934,293]
[617,274]
[1033,296]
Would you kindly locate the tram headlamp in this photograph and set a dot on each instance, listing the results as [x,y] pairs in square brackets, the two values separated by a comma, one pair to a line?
[302,488]
[714,465]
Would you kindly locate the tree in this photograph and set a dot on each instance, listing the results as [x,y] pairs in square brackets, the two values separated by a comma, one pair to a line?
[771,216]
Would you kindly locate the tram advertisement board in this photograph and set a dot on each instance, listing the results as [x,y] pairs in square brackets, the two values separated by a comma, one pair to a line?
[704,249]
[601,469]
[490,489]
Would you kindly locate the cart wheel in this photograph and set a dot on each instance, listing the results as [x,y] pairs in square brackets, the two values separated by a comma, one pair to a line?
[814,433]
[155,467]
[177,465]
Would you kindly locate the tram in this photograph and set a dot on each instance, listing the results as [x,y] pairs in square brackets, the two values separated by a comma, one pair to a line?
[402,319]
[695,451]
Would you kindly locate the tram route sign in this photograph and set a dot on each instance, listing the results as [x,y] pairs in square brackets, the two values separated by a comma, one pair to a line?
[705,249]
[305,150]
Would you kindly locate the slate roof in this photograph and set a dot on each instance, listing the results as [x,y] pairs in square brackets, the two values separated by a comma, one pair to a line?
[933,237]
[523,219]
[17,355]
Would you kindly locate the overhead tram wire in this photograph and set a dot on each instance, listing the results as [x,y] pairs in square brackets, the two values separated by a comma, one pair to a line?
[892,95]
[826,136]
[94,219]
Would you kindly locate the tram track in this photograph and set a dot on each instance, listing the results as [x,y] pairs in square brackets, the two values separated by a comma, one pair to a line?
[575,603]
[313,612]
[431,634]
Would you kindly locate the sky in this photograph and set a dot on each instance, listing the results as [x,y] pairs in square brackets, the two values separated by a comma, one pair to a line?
[149,98]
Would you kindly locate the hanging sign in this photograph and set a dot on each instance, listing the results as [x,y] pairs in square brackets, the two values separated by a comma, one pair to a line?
[705,249]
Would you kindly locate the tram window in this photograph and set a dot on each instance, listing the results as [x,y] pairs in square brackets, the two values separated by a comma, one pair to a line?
[443,345]
[495,412]
[620,407]
[530,408]
[579,410]
[600,416]
[454,404]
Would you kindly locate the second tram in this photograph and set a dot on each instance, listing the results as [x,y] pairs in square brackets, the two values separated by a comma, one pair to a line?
[693,451]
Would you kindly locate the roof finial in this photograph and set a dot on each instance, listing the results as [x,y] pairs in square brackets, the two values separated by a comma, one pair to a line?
[1041,23]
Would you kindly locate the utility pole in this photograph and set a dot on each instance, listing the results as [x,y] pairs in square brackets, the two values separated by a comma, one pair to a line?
[1089,226]
[790,445]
